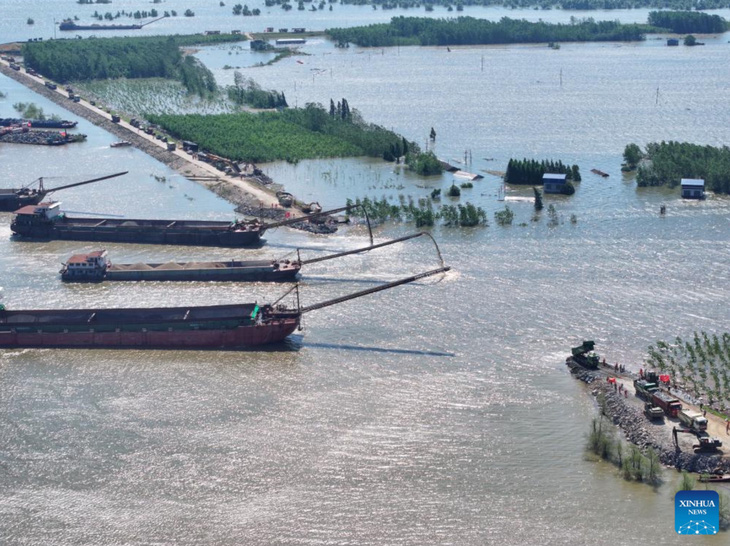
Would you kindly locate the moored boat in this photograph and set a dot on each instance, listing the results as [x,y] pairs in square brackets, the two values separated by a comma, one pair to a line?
[231,326]
[46,221]
[38,123]
[12,199]
[96,267]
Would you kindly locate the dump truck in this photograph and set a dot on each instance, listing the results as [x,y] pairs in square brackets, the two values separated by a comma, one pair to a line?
[581,355]
[668,403]
[693,420]
[644,389]
[653,412]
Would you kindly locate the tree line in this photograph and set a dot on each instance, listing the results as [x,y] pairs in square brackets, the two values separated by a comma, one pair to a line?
[470,31]
[530,171]
[583,5]
[422,213]
[147,57]
[669,162]
[682,22]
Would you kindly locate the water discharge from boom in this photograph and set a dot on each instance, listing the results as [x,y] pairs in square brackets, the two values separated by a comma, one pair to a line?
[373,247]
[369,291]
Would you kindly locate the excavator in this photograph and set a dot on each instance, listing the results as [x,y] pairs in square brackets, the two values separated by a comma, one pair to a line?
[706,443]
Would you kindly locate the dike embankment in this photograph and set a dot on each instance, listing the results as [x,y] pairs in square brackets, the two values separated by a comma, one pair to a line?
[625,411]
[249,194]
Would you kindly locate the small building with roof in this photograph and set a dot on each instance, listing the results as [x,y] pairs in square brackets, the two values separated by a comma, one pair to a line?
[553,182]
[693,188]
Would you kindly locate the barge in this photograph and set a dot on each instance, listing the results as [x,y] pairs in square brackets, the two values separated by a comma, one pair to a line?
[70,24]
[45,221]
[38,123]
[233,326]
[12,199]
[97,267]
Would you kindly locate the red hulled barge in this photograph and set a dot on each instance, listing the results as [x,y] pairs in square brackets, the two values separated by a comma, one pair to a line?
[234,326]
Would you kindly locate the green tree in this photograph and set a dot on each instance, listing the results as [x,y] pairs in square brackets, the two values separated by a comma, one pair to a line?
[690,40]
[688,482]
[632,155]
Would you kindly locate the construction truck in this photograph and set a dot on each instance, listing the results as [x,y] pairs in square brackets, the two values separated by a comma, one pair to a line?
[582,356]
[669,404]
[693,420]
[644,389]
[653,412]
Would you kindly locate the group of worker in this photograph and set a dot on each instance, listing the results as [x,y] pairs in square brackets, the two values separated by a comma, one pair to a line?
[618,387]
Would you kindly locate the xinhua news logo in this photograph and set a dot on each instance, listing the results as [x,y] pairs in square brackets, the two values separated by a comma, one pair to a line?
[696,512]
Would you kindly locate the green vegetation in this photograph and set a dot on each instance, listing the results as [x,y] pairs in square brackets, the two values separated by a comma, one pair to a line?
[671,161]
[244,10]
[454,191]
[291,135]
[633,465]
[688,482]
[682,22]
[466,185]
[690,40]
[471,31]
[425,164]
[632,156]
[246,91]
[422,213]
[538,199]
[583,5]
[30,110]
[553,217]
[504,217]
[700,366]
[530,171]
[84,60]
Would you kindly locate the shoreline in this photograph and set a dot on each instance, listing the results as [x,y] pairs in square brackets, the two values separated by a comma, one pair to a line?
[625,412]
[248,194]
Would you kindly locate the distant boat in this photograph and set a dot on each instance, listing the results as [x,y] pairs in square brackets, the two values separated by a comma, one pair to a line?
[120,144]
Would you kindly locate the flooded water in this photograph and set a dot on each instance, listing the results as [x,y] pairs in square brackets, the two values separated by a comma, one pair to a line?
[435,413]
